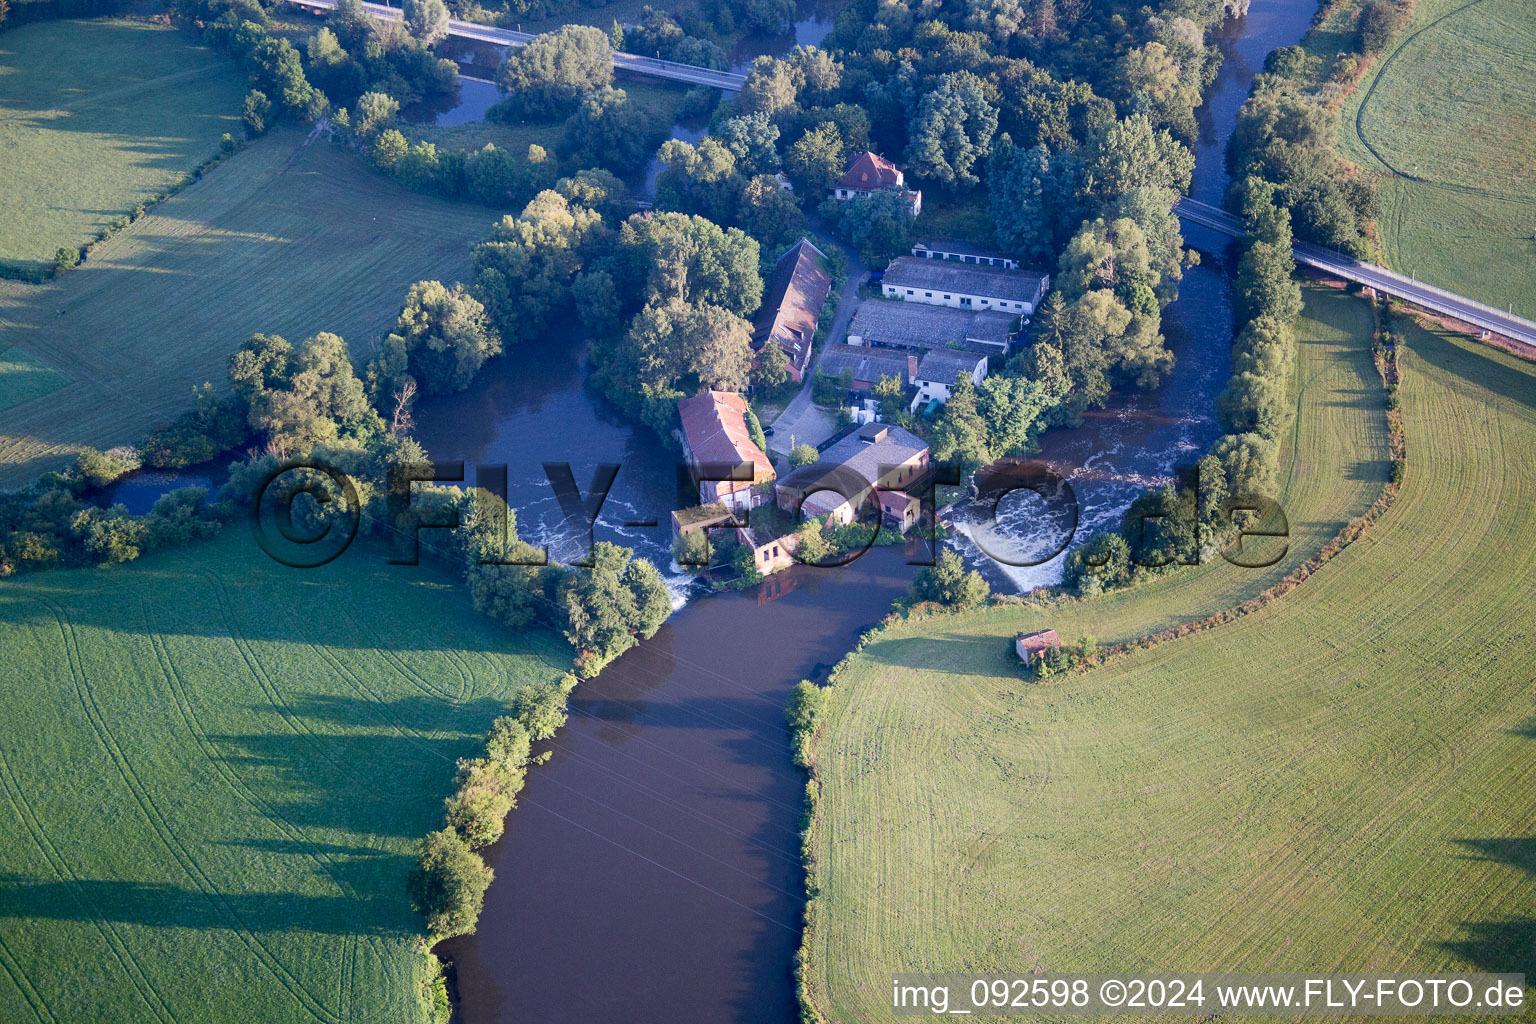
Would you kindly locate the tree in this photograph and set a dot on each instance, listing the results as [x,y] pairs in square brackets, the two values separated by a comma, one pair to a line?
[771,87]
[352,23]
[1012,408]
[1379,22]
[766,17]
[256,111]
[448,884]
[678,256]
[803,455]
[1103,563]
[1032,196]
[1129,154]
[596,189]
[607,131]
[260,364]
[320,400]
[597,301]
[962,435]
[1149,71]
[816,160]
[441,338]
[769,212]
[807,702]
[279,71]
[952,131]
[1249,461]
[820,76]
[753,139]
[374,112]
[523,273]
[880,226]
[556,69]
[698,179]
[604,606]
[669,343]
[389,149]
[427,20]
[948,583]
[1108,255]
[772,369]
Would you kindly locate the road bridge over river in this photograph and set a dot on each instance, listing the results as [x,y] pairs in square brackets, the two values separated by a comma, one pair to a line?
[633,63]
[1437,300]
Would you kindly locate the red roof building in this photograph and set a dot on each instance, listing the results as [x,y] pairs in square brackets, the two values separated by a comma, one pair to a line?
[899,509]
[792,305]
[715,435]
[870,172]
[1030,644]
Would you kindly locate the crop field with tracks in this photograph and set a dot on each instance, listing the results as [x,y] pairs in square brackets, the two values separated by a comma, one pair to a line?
[214,774]
[1447,118]
[97,116]
[284,238]
[1345,780]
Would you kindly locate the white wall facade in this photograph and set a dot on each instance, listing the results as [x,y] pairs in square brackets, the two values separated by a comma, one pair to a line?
[959,300]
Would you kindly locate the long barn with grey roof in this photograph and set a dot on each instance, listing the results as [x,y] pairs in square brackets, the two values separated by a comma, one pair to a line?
[913,325]
[964,285]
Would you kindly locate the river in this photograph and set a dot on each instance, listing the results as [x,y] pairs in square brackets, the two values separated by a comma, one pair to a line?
[1140,437]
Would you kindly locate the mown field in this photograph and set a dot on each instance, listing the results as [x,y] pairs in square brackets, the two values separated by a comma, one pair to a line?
[213,774]
[1448,118]
[285,237]
[97,116]
[1345,781]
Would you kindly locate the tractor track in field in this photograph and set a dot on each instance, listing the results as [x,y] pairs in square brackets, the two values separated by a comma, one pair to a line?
[182,698]
[167,835]
[1365,101]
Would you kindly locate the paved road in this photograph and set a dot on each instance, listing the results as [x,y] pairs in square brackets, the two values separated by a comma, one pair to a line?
[505,37]
[1439,300]
[801,419]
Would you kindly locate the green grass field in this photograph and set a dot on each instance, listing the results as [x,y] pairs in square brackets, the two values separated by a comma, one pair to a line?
[213,774]
[283,238]
[97,116]
[1344,781]
[1448,118]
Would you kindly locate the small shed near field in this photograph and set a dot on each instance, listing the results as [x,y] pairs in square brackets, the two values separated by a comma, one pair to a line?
[1030,644]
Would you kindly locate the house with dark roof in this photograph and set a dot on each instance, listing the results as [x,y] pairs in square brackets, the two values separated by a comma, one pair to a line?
[912,325]
[792,302]
[963,252]
[715,439]
[869,173]
[866,366]
[964,285]
[941,369]
[852,472]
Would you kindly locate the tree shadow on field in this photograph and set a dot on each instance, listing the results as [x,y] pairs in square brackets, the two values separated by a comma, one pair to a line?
[1476,365]
[1508,945]
[158,905]
[357,766]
